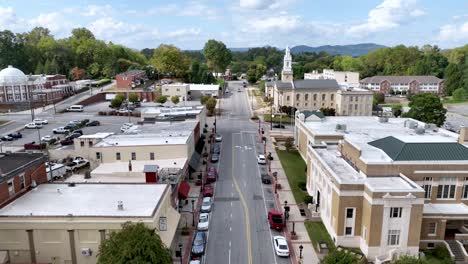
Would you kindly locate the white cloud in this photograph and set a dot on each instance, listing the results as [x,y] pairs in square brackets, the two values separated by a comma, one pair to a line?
[272,24]
[184,33]
[96,10]
[189,9]
[264,4]
[54,21]
[388,15]
[456,33]
[8,18]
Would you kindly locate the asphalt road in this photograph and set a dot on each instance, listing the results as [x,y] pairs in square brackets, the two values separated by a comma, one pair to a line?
[239,231]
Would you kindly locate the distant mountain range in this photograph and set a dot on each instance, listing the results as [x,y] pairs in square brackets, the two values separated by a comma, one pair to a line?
[353,50]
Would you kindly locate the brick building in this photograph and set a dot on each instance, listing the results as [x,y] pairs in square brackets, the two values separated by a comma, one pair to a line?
[403,84]
[130,79]
[18,173]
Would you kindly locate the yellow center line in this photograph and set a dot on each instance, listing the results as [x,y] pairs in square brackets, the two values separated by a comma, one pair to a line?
[246,210]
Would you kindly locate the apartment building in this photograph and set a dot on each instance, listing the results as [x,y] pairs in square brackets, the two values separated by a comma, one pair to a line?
[344,78]
[387,186]
[130,79]
[313,94]
[403,84]
[18,173]
[66,223]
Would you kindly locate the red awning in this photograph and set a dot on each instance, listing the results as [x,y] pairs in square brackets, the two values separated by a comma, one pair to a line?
[184,189]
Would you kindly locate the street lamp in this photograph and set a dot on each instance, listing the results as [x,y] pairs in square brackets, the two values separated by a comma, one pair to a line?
[275,174]
[286,210]
[301,247]
[193,212]
[180,250]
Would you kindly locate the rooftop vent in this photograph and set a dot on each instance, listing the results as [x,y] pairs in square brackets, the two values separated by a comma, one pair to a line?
[71,184]
[383,119]
[120,205]
[420,131]
[340,127]
[58,191]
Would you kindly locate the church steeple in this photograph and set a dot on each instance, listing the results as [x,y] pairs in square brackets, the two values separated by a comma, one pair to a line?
[287,73]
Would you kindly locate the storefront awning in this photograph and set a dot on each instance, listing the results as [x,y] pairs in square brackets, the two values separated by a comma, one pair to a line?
[184,189]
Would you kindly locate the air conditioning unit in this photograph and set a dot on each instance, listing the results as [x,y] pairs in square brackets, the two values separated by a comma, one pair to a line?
[87,252]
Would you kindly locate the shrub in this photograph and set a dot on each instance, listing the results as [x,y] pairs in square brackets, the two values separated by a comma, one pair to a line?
[302,185]
[308,199]
[254,117]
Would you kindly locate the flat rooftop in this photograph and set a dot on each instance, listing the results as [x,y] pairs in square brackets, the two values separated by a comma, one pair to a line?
[344,173]
[87,200]
[137,166]
[360,130]
[445,209]
[165,128]
[99,135]
[150,139]
[391,184]
[168,111]
[204,87]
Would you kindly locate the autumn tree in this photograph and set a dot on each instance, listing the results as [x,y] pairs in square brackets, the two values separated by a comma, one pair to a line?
[77,73]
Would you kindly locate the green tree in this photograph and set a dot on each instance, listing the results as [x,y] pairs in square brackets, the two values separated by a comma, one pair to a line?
[217,55]
[453,78]
[289,144]
[117,101]
[161,99]
[211,104]
[378,98]
[339,257]
[169,60]
[204,99]
[175,99]
[133,97]
[134,243]
[39,68]
[252,75]
[396,110]
[459,94]
[428,108]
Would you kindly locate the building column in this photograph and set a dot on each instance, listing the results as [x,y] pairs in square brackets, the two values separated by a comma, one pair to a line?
[71,236]
[32,248]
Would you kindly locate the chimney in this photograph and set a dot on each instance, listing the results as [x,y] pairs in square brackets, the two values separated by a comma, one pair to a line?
[120,205]
[129,165]
[463,137]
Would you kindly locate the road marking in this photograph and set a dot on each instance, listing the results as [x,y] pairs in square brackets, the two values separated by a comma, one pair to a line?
[230,229]
[231,213]
[265,205]
[246,212]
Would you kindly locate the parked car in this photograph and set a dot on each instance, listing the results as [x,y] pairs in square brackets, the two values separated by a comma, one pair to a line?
[198,245]
[207,190]
[75,108]
[79,131]
[74,122]
[217,148]
[203,221]
[40,121]
[279,126]
[70,127]
[281,246]
[211,175]
[15,135]
[6,138]
[33,145]
[77,164]
[74,135]
[214,157]
[48,139]
[266,179]
[126,126]
[218,138]
[93,123]
[275,219]
[33,125]
[206,204]
[123,111]
[66,142]
[261,159]
[60,130]
[84,122]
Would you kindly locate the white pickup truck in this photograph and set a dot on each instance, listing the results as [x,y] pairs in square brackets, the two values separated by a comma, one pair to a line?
[77,163]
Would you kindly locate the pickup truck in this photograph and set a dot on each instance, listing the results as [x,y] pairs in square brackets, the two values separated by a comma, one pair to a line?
[76,164]
[33,145]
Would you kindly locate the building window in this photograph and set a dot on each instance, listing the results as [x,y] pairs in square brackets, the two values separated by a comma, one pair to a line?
[82,143]
[287,98]
[315,97]
[432,228]
[117,156]
[446,190]
[349,212]
[427,186]
[151,155]
[323,97]
[306,97]
[364,233]
[348,231]
[395,212]
[355,107]
[22,182]
[298,96]
[90,143]
[465,191]
[11,187]
[393,238]
[133,156]
[332,97]
[98,155]
[350,98]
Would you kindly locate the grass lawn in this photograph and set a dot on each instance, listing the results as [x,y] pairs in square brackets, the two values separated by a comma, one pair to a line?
[285,119]
[318,233]
[3,122]
[294,167]
[439,255]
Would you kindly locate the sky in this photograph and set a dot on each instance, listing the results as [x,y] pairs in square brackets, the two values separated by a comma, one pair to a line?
[247,23]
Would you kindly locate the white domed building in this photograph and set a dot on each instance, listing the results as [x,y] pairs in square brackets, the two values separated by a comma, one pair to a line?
[18,91]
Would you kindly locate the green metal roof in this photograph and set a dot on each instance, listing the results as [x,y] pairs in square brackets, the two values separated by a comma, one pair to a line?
[308,113]
[398,150]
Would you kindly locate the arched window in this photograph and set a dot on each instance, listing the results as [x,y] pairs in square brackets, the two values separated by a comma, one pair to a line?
[332,97]
[298,96]
[306,97]
[323,97]
[315,97]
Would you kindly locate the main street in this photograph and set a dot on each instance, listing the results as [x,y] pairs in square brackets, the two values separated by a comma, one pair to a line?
[239,231]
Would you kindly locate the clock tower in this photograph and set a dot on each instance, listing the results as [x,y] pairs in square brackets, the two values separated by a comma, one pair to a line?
[287,73]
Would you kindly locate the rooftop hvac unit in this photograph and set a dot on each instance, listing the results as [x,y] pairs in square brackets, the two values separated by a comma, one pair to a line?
[413,125]
[87,252]
[340,127]
[383,119]
[419,131]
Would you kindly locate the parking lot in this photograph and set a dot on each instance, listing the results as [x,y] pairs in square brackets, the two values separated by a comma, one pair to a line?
[108,124]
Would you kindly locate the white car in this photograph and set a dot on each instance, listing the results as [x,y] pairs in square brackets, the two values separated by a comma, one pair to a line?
[74,122]
[194,262]
[281,246]
[123,111]
[126,126]
[204,221]
[47,138]
[60,130]
[40,121]
[206,205]
[261,159]
[33,125]
[218,138]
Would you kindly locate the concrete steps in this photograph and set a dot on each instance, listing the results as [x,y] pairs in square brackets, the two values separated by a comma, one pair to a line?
[456,250]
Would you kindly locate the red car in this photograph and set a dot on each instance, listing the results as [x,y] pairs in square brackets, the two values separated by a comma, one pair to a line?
[211,175]
[33,145]
[207,190]
[275,219]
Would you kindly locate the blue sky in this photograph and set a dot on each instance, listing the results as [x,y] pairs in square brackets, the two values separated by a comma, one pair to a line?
[247,23]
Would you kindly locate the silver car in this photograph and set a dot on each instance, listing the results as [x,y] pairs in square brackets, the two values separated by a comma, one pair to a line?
[206,205]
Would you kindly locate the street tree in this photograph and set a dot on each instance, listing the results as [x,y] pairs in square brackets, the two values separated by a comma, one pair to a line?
[204,99]
[169,60]
[428,108]
[459,94]
[378,98]
[161,99]
[217,55]
[211,104]
[133,97]
[134,243]
[396,110]
[175,99]
[117,101]
[453,78]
